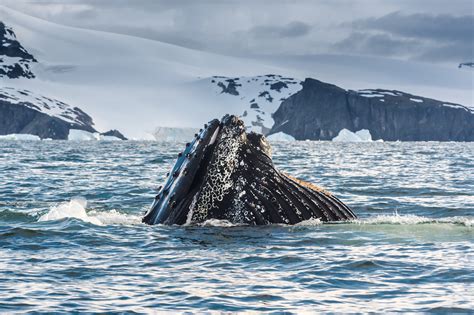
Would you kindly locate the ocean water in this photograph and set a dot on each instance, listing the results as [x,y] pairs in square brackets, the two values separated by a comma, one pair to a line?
[71,237]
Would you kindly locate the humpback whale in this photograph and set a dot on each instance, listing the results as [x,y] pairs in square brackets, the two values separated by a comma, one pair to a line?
[226,173]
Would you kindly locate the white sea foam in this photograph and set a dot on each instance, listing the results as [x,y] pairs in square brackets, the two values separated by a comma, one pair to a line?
[218,223]
[310,222]
[76,208]
[411,219]
[115,217]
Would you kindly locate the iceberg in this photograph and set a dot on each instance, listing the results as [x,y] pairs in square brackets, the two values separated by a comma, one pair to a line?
[280,136]
[364,135]
[345,135]
[20,136]
[82,135]
[174,134]
[108,138]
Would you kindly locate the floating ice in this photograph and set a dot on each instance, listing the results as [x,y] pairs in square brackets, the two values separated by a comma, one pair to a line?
[20,137]
[171,134]
[82,135]
[345,135]
[364,135]
[280,136]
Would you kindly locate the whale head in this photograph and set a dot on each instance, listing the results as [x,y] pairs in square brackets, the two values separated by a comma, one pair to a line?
[226,173]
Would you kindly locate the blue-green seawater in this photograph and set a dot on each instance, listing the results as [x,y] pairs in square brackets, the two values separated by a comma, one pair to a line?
[412,248]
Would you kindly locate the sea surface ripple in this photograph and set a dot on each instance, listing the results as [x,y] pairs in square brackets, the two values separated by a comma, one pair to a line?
[71,238]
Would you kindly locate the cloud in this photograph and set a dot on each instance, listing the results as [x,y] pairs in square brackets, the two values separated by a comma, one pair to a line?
[377,44]
[292,29]
[459,52]
[424,26]
[435,38]
[436,30]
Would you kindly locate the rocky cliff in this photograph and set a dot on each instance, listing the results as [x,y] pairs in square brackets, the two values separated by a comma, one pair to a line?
[320,110]
[23,112]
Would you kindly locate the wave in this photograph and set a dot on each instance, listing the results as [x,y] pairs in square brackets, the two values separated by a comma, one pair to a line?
[76,208]
[218,223]
[411,219]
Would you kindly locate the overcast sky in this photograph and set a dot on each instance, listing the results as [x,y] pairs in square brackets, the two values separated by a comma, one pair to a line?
[439,31]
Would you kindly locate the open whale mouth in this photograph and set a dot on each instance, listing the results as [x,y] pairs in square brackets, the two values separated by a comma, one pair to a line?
[174,202]
[226,173]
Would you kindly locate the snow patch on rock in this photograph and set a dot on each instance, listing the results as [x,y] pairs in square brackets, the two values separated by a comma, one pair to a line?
[254,98]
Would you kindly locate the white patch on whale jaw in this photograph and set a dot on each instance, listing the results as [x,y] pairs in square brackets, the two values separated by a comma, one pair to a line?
[189,217]
[218,179]
[214,136]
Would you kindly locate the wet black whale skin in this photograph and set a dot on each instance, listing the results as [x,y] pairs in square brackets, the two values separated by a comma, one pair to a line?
[259,194]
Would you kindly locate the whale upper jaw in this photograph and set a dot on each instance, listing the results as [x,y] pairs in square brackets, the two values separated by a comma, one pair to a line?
[186,180]
[226,173]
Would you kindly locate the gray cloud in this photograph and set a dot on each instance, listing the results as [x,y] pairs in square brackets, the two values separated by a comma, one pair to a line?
[292,29]
[459,52]
[425,26]
[378,44]
[434,38]
[434,30]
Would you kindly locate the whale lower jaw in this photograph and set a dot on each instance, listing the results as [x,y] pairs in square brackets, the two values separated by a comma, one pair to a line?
[228,174]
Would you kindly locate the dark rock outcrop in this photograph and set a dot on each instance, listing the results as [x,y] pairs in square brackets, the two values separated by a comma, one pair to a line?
[25,112]
[466,64]
[320,110]
[15,118]
[114,133]
[15,60]
[231,87]
[278,86]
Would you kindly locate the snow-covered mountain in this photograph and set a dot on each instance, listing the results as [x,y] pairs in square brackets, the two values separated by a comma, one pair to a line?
[28,115]
[134,84]
[258,97]
[15,60]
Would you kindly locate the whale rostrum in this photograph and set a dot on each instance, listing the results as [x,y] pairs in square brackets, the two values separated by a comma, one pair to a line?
[228,174]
